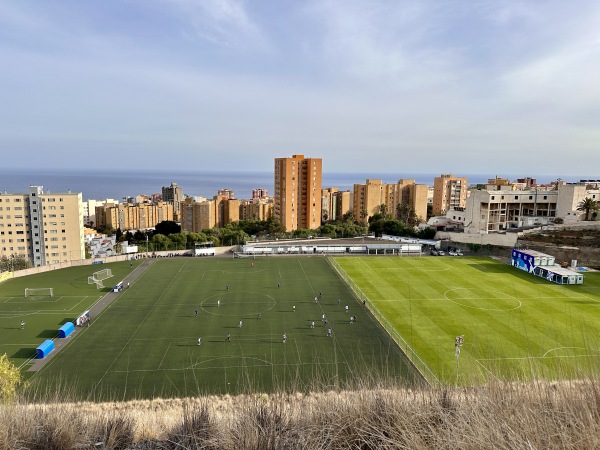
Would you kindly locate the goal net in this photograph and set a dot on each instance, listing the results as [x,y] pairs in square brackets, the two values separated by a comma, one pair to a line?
[103,274]
[99,284]
[99,277]
[31,292]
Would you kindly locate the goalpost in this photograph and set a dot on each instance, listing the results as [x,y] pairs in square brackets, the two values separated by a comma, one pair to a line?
[30,292]
[99,277]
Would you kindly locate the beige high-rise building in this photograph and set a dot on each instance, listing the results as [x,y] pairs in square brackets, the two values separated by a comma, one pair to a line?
[128,216]
[335,203]
[298,182]
[369,198]
[173,194]
[197,216]
[342,204]
[256,209]
[449,192]
[41,227]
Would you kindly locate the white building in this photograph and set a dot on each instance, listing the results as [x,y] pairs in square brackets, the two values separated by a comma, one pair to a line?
[501,210]
[89,210]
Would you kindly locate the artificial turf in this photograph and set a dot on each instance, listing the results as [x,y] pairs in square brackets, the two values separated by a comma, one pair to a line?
[515,326]
[145,344]
[43,315]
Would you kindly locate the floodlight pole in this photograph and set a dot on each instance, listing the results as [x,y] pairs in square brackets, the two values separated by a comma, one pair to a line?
[458,342]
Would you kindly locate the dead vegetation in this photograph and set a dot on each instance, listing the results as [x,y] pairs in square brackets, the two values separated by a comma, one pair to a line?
[538,415]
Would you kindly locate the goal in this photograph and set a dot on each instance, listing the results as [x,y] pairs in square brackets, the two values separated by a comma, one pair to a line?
[31,292]
[103,274]
[99,277]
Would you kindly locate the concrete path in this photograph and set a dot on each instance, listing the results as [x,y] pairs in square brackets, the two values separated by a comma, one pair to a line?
[95,310]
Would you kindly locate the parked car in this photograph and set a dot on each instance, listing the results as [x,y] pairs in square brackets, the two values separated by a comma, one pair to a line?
[459,253]
[441,252]
[433,253]
[452,253]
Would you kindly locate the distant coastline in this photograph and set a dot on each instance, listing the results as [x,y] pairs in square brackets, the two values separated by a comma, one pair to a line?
[117,184]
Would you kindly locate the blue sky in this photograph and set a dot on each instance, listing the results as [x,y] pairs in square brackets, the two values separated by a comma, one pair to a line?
[424,86]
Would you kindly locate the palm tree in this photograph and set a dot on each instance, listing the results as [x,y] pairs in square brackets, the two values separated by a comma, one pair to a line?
[588,205]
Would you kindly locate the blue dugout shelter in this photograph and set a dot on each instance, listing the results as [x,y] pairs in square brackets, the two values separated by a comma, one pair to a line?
[44,349]
[66,330]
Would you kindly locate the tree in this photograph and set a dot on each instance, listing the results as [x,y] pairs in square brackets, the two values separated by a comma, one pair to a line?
[10,379]
[88,250]
[588,205]
[363,215]
[12,263]
[167,227]
[119,235]
[161,242]
[383,210]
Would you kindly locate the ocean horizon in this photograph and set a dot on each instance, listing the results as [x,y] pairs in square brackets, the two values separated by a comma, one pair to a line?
[116,184]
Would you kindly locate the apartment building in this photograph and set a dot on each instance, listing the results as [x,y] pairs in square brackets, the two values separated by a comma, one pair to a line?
[449,192]
[130,216]
[298,182]
[173,194]
[260,193]
[45,228]
[226,193]
[197,216]
[89,210]
[256,209]
[335,203]
[369,197]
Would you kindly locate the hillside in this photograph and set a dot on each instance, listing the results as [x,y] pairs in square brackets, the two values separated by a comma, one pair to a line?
[499,415]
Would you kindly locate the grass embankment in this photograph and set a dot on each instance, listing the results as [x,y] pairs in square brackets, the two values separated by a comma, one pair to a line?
[538,415]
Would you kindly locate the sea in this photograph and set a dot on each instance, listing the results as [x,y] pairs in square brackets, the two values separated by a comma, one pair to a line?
[118,184]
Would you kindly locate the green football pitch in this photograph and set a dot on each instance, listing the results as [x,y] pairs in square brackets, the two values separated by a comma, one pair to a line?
[515,326]
[145,343]
[43,315]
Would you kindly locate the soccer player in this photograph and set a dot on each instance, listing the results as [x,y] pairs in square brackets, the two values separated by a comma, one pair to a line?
[323,318]
[240,326]
[196,312]
[22,325]
[351,320]
[346,308]
[312,324]
[338,302]
[294,308]
[284,338]
[315,300]
[320,294]
[228,338]
[278,285]
[199,341]
[227,287]
[258,316]
[218,302]
[328,332]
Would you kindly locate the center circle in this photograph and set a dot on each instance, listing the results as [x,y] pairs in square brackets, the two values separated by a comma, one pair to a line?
[482,299]
[238,304]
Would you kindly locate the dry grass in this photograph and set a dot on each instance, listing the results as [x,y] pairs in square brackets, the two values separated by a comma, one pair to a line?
[505,416]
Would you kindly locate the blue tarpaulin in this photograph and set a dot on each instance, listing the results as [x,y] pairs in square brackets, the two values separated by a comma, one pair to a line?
[66,330]
[44,349]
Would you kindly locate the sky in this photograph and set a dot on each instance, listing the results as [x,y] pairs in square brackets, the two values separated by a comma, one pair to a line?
[408,86]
